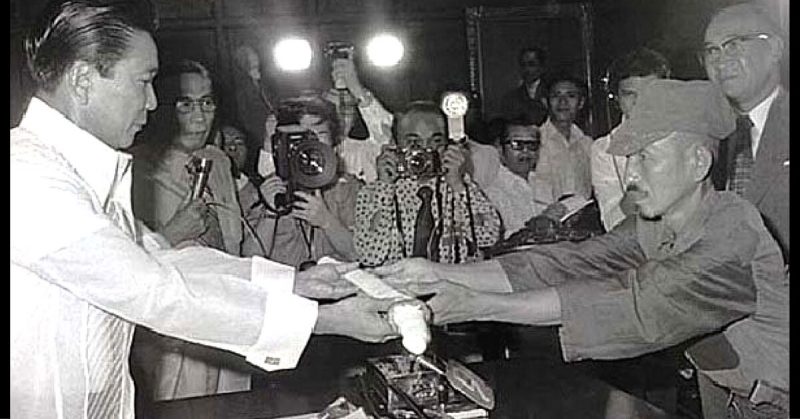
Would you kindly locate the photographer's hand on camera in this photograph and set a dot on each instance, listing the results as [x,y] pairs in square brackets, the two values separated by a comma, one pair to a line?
[454,164]
[189,222]
[386,165]
[272,186]
[313,210]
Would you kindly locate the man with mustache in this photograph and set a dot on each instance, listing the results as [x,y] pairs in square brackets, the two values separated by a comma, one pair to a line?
[626,76]
[693,262]
[506,173]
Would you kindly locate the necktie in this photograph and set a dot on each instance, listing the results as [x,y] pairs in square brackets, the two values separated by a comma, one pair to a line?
[424,225]
[743,155]
[106,343]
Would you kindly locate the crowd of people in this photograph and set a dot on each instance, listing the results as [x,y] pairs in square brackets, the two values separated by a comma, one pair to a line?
[691,186]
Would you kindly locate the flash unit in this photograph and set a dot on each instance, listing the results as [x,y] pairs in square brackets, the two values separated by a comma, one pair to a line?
[454,106]
[292,54]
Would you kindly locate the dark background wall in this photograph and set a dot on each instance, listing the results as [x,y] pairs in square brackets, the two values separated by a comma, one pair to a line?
[433,32]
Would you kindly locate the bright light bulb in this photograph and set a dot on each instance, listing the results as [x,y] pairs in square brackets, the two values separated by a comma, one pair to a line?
[385,50]
[292,54]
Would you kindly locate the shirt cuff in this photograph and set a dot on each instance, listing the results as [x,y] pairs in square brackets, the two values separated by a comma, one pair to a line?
[272,276]
[288,323]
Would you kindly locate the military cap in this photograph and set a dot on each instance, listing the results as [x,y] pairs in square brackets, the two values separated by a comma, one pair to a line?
[666,106]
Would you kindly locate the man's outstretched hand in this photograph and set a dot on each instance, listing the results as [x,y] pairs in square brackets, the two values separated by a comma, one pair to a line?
[358,317]
[325,281]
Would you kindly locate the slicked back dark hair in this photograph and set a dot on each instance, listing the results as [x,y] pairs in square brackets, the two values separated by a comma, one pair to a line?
[94,31]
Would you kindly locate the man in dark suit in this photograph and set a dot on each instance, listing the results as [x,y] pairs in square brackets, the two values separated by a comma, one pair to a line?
[528,100]
[742,51]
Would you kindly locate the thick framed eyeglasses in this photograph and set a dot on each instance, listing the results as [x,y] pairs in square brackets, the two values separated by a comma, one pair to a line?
[518,145]
[732,46]
[186,105]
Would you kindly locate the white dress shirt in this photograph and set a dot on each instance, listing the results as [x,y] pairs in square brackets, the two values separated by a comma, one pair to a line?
[358,156]
[759,117]
[564,166]
[70,262]
[608,181]
[514,198]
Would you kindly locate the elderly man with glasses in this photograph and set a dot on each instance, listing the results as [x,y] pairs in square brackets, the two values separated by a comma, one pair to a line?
[742,53]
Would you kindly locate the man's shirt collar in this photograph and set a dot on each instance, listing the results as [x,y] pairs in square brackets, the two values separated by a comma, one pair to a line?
[659,240]
[98,164]
[759,117]
[550,132]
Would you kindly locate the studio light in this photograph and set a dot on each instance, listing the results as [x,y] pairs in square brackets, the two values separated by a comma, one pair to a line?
[385,50]
[292,54]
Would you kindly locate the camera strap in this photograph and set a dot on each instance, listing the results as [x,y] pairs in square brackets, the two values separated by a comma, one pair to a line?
[474,250]
[399,222]
[436,237]
[308,238]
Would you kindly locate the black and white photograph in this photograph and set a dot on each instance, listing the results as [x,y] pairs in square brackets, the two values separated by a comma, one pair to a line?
[399,209]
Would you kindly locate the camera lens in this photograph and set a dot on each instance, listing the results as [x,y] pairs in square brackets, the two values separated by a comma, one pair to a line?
[417,163]
[311,161]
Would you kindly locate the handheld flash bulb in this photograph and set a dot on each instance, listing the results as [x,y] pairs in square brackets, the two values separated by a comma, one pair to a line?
[454,106]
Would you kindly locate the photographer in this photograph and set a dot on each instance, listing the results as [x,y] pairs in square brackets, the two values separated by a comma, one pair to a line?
[421,204]
[312,222]
[356,104]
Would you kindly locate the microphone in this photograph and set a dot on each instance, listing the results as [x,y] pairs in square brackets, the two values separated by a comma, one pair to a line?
[199,168]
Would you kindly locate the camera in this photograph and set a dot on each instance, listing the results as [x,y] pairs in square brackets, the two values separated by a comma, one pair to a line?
[336,49]
[417,162]
[303,162]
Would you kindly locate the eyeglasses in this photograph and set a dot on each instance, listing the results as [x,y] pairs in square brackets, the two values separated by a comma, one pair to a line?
[186,105]
[518,145]
[733,46]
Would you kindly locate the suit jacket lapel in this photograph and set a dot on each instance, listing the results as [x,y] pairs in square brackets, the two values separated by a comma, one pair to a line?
[773,150]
